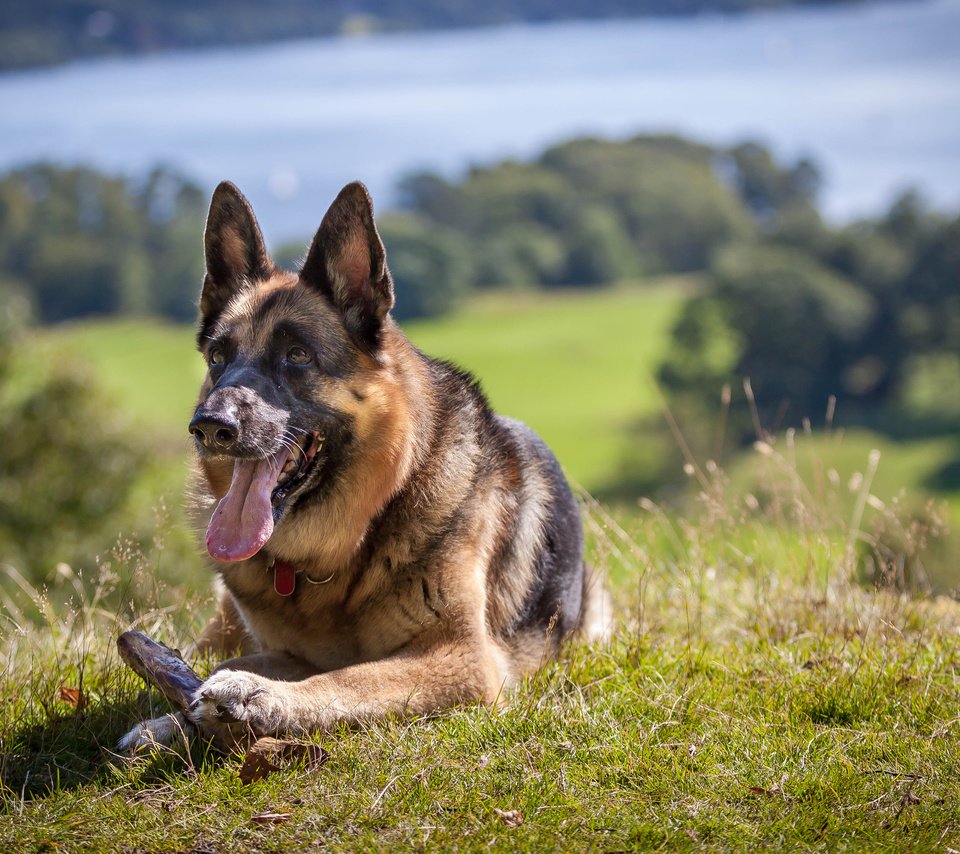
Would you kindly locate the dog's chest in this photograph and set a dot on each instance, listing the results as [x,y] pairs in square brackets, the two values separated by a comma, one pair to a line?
[324,621]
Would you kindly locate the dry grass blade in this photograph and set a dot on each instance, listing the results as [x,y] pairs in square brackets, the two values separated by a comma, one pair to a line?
[271,817]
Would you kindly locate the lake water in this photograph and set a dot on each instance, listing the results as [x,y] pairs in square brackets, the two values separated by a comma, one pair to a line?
[872,92]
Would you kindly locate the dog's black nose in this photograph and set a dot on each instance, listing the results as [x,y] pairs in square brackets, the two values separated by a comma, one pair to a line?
[214,433]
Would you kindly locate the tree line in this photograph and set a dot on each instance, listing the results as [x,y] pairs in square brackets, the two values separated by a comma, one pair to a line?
[867,312]
[50,31]
[75,242]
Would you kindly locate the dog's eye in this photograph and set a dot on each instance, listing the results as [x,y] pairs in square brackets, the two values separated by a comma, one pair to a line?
[298,356]
[215,356]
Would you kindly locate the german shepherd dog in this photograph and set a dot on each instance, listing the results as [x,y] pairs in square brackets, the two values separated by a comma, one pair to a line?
[384,542]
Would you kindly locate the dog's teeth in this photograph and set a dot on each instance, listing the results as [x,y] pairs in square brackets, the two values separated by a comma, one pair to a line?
[303,451]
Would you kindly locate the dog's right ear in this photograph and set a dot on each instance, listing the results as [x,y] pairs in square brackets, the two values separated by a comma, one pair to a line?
[233,248]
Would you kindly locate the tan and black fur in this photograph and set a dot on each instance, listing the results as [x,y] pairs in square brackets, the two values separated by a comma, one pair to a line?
[437,547]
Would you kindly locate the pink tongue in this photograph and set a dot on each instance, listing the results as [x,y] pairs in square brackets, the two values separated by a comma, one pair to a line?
[243,520]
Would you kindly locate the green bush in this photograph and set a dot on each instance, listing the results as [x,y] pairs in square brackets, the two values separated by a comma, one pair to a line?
[68,463]
[586,212]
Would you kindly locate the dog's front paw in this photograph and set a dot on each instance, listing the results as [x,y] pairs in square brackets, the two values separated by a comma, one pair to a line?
[235,707]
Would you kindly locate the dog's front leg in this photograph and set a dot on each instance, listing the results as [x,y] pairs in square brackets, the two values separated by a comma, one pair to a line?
[236,705]
[164,731]
[224,634]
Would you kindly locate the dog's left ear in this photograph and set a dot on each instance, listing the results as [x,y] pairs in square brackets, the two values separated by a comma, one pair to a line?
[347,262]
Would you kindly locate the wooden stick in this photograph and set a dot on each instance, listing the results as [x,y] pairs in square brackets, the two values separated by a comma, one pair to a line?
[161,667]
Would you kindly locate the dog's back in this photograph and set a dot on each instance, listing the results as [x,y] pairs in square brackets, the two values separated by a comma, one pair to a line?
[497,469]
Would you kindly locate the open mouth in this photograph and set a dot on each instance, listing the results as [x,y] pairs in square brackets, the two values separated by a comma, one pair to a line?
[259,490]
[297,468]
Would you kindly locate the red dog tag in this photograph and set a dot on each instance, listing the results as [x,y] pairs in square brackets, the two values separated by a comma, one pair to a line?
[284,577]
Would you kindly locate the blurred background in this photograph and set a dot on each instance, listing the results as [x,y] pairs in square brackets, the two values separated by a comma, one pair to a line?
[665,233]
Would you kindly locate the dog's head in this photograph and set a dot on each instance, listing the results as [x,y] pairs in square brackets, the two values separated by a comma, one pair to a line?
[295,365]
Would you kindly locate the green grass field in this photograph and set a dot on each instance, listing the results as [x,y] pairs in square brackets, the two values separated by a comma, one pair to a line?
[578,368]
[148,368]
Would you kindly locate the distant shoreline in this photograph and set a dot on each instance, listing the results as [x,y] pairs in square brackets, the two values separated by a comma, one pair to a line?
[40,34]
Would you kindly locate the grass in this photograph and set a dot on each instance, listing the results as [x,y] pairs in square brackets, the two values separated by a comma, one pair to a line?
[838,465]
[752,696]
[148,367]
[902,467]
[577,367]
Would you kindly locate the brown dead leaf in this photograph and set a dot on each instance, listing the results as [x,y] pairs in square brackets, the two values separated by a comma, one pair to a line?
[510,818]
[256,767]
[73,697]
[269,817]
[759,790]
[268,755]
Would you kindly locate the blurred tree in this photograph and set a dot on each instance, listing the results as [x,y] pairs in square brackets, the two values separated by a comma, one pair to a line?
[869,313]
[663,191]
[586,212]
[778,317]
[931,291]
[803,324]
[430,266]
[599,250]
[290,256]
[173,211]
[768,188]
[68,464]
[525,256]
[81,243]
